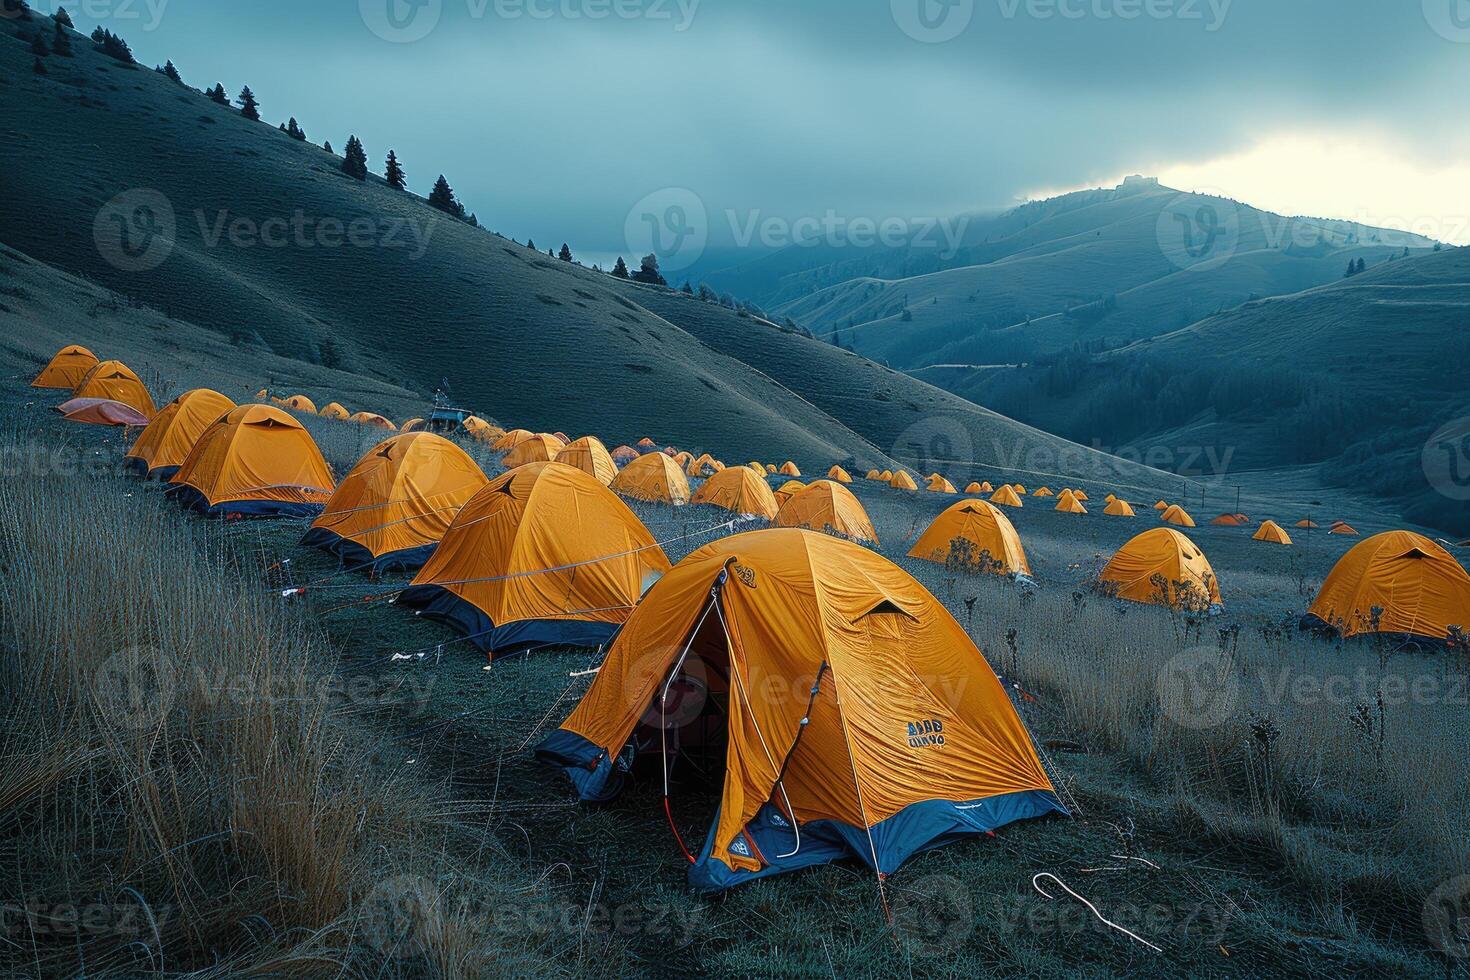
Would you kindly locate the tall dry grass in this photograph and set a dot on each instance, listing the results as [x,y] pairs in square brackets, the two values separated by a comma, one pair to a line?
[178,791]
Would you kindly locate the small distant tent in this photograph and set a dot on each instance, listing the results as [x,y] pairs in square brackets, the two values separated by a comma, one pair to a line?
[653,478]
[101,411]
[788,490]
[940,485]
[1161,505]
[1019,488]
[1271,532]
[589,455]
[565,439]
[66,369]
[1306,524]
[1080,495]
[255,460]
[1162,567]
[300,403]
[683,458]
[1177,516]
[698,468]
[395,505]
[1227,520]
[789,468]
[647,445]
[902,481]
[623,455]
[1043,492]
[828,506]
[974,488]
[973,533]
[1345,529]
[874,475]
[1110,498]
[1117,507]
[886,476]
[1419,588]
[1006,496]
[412,425]
[162,447]
[374,420]
[540,448]
[907,741]
[543,555]
[1067,503]
[740,491]
[510,440]
[115,381]
[477,428]
[985,487]
[335,410]
[771,469]
[839,474]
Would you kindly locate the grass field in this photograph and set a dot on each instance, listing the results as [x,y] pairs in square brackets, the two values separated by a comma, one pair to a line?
[451,851]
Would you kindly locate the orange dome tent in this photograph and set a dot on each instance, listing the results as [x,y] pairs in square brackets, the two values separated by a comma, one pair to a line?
[510,440]
[412,425]
[374,420]
[839,474]
[543,555]
[653,478]
[788,490]
[1080,495]
[941,485]
[623,455]
[902,481]
[1006,496]
[1161,505]
[396,504]
[255,460]
[334,410]
[1118,507]
[1306,524]
[1344,529]
[789,468]
[477,428]
[828,506]
[101,411]
[66,369]
[115,381]
[1419,588]
[1272,532]
[973,533]
[739,490]
[1069,504]
[1177,516]
[874,475]
[974,488]
[540,448]
[907,741]
[647,444]
[886,476]
[1227,520]
[1164,568]
[299,403]
[589,455]
[771,469]
[162,447]
[1043,492]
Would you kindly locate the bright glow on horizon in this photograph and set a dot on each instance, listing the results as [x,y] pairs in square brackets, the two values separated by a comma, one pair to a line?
[1347,179]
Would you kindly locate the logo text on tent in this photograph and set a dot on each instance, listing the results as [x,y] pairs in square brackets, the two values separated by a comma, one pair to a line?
[925,733]
[746,574]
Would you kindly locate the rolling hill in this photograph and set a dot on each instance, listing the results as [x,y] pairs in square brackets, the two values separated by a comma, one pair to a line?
[156,193]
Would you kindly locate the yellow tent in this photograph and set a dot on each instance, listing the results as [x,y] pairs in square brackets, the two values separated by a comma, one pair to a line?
[839,474]
[412,425]
[164,445]
[477,428]
[1416,584]
[1177,516]
[1080,495]
[771,469]
[1069,504]
[1019,488]
[589,455]
[1117,507]
[1344,529]
[789,468]
[540,448]
[374,420]
[1164,568]
[625,454]
[116,382]
[299,403]
[395,505]
[908,740]
[1043,492]
[788,490]
[1272,532]
[973,533]
[66,368]
[543,555]
[974,488]
[1110,498]
[653,478]
[254,460]
[510,440]
[874,475]
[739,490]
[334,410]
[1161,505]
[941,485]
[1006,496]
[902,481]
[886,476]
[828,506]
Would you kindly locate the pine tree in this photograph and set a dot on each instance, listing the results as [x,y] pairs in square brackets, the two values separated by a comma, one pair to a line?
[63,18]
[39,48]
[565,254]
[354,159]
[620,271]
[551,253]
[648,271]
[394,174]
[531,244]
[217,94]
[249,108]
[171,73]
[295,131]
[687,289]
[442,197]
[61,40]
[113,46]
[328,146]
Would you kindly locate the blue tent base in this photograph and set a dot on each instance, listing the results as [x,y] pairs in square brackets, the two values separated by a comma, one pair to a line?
[197,502]
[356,558]
[1428,644]
[441,605]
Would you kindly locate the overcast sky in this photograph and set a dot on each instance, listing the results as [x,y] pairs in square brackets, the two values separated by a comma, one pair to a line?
[553,118]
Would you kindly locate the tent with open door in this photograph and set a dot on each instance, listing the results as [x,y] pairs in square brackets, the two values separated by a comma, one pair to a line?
[895,735]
